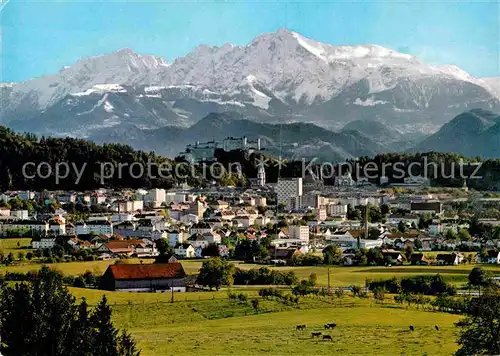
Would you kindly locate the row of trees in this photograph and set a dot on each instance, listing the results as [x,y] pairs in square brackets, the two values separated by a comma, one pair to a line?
[423,284]
[217,272]
[263,276]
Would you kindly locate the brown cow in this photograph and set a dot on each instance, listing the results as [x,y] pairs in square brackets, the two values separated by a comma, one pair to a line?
[327,337]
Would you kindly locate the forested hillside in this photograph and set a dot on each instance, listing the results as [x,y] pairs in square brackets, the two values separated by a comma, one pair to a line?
[85,161]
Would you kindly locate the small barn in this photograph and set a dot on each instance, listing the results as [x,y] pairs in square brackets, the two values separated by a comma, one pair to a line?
[418,259]
[449,259]
[155,277]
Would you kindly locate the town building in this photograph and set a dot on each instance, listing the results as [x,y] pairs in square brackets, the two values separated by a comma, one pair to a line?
[97,227]
[205,151]
[43,243]
[130,206]
[196,208]
[20,214]
[429,207]
[299,232]
[185,250]
[261,176]
[289,192]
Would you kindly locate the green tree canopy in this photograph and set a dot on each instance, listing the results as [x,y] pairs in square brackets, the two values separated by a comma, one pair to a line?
[42,318]
[215,273]
[479,331]
[332,255]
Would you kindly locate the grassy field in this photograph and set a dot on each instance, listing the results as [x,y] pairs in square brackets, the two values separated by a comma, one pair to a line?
[8,245]
[345,276]
[220,327]
[208,323]
[75,268]
[339,275]
[118,298]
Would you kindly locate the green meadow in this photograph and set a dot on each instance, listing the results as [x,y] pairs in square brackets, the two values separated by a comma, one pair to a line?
[339,275]
[209,323]
[207,326]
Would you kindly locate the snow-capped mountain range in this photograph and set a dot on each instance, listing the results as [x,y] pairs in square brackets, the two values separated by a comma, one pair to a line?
[279,77]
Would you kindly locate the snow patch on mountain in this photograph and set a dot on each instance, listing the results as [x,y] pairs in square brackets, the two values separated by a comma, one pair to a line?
[108,107]
[493,84]
[458,73]
[101,88]
[314,48]
[369,102]
[153,88]
[98,104]
[249,86]
[222,102]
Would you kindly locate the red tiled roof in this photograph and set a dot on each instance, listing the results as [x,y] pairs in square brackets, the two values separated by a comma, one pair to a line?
[120,244]
[147,271]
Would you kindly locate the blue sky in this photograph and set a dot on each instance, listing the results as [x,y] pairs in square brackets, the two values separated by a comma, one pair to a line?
[41,37]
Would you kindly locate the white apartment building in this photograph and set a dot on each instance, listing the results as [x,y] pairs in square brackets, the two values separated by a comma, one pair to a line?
[34,226]
[175,197]
[157,195]
[46,242]
[20,214]
[99,227]
[176,237]
[130,206]
[336,209]
[122,217]
[289,191]
[299,232]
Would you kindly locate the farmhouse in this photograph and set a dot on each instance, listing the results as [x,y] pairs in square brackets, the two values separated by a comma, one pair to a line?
[145,277]
[124,247]
[449,258]
[185,250]
[392,256]
[283,254]
[492,256]
[418,259]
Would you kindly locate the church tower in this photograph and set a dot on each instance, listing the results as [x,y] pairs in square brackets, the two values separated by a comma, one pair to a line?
[261,176]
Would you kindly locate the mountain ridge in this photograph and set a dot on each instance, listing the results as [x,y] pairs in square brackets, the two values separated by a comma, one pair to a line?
[278,78]
[472,133]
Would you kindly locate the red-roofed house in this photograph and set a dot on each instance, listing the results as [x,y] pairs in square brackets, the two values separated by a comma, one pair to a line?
[145,277]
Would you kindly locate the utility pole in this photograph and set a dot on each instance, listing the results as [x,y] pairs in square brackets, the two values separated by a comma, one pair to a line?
[328,279]
[367,206]
[172,288]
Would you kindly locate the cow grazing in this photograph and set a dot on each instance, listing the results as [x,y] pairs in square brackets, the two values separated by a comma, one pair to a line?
[316,334]
[300,327]
[412,328]
[437,327]
[327,337]
[330,326]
